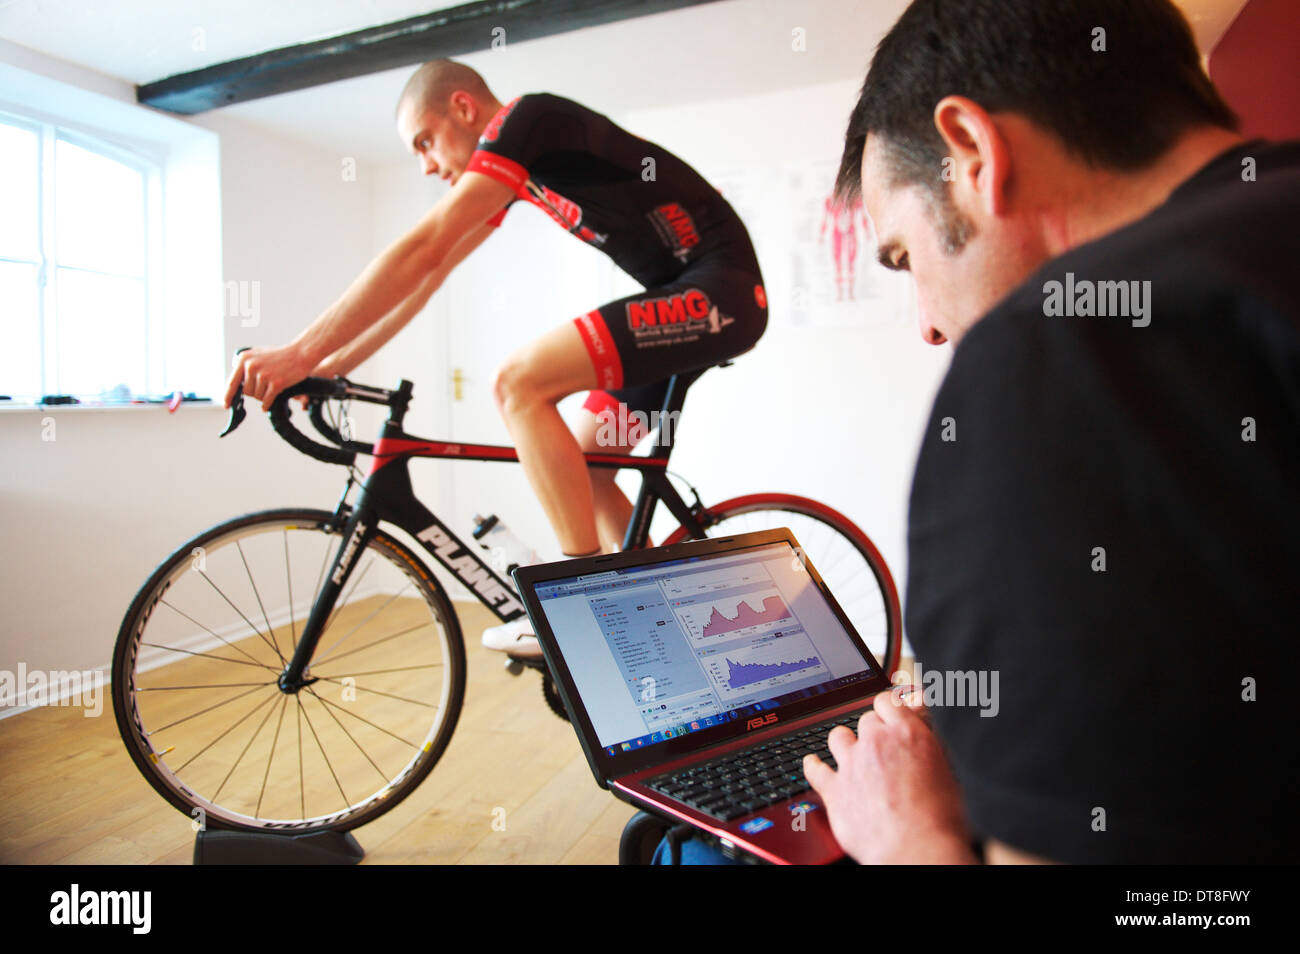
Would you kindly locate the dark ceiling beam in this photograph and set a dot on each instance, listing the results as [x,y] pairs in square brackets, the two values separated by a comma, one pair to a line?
[456,31]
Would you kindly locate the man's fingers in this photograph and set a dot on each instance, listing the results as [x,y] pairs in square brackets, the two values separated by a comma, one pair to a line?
[819,775]
[899,693]
[252,384]
[906,714]
[236,377]
[840,741]
[915,698]
[915,702]
[869,719]
[263,389]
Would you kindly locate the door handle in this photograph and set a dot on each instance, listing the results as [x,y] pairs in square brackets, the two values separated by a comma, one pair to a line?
[457,379]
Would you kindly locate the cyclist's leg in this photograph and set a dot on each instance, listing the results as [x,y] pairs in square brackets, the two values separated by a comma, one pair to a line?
[614,422]
[595,436]
[527,388]
[712,312]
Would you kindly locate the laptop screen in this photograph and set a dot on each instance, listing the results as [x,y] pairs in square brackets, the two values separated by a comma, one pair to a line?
[663,650]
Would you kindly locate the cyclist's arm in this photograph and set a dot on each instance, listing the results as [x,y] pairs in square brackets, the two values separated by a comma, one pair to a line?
[400,269]
[346,359]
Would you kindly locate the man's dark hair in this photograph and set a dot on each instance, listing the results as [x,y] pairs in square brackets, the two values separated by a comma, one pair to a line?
[1119,107]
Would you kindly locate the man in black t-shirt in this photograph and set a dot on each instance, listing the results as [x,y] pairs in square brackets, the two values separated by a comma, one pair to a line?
[1106,507]
[649,211]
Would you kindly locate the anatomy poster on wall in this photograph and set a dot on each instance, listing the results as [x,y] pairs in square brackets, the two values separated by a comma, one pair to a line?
[834,278]
[818,257]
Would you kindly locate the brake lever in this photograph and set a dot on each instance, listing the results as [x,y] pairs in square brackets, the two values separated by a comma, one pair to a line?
[237,412]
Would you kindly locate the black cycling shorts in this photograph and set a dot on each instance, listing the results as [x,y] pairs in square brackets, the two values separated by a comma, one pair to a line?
[708,314]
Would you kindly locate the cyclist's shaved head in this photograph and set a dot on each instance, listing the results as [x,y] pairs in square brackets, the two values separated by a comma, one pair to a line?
[431,86]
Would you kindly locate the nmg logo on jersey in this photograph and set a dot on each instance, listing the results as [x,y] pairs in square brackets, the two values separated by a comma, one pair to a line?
[692,305]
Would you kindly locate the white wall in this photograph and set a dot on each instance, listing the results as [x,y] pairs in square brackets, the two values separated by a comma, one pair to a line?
[88,515]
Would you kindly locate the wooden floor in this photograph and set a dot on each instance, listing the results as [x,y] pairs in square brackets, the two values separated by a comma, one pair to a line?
[69,793]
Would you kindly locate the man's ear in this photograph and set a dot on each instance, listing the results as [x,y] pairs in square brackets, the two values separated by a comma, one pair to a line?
[465,107]
[980,157]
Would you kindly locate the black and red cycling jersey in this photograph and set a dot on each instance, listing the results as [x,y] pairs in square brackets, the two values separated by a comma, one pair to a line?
[658,219]
[635,201]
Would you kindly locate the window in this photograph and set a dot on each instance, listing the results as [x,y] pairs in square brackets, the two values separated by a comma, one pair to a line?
[77,277]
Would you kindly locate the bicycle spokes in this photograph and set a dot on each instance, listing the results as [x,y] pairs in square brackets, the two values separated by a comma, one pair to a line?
[222,728]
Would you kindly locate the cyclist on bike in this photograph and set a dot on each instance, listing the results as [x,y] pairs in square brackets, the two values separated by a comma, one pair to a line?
[649,211]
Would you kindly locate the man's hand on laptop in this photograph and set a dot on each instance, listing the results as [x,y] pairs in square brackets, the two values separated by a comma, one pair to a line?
[893,799]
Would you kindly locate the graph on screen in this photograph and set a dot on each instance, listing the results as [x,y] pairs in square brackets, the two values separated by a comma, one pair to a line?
[737,615]
[740,675]
[774,611]
[762,667]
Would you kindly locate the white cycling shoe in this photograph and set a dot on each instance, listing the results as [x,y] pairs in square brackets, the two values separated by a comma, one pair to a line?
[515,637]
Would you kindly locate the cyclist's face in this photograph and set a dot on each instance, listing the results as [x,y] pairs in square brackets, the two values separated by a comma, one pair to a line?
[961,260]
[442,142]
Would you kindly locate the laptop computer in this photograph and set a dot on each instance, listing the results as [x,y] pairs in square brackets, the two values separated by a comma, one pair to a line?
[697,676]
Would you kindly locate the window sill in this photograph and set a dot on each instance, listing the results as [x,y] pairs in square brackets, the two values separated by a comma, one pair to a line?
[14,407]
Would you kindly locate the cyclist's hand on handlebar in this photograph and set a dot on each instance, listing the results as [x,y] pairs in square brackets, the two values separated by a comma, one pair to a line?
[326,369]
[265,372]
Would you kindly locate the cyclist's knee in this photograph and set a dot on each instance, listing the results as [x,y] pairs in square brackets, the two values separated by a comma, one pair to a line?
[515,385]
[528,378]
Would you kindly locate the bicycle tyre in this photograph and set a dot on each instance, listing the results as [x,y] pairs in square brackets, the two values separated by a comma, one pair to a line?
[551,693]
[877,616]
[142,722]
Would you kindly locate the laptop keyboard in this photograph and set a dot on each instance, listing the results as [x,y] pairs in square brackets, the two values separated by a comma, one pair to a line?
[754,778]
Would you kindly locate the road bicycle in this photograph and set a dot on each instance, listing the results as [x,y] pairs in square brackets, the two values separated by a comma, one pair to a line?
[300,670]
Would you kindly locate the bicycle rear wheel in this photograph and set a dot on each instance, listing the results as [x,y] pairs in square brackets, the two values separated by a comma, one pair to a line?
[202,646]
[849,563]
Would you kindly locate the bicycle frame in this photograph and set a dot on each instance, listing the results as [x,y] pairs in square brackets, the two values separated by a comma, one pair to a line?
[387,496]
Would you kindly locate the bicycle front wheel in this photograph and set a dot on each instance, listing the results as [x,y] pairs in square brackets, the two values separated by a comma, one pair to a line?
[201,649]
[844,556]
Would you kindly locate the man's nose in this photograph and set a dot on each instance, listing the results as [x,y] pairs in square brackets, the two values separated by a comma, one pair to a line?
[929,332]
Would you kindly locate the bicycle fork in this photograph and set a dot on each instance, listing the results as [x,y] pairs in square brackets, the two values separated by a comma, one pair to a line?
[358,530]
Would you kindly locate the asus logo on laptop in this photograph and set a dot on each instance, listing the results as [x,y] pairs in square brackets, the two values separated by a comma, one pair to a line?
[759,721]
